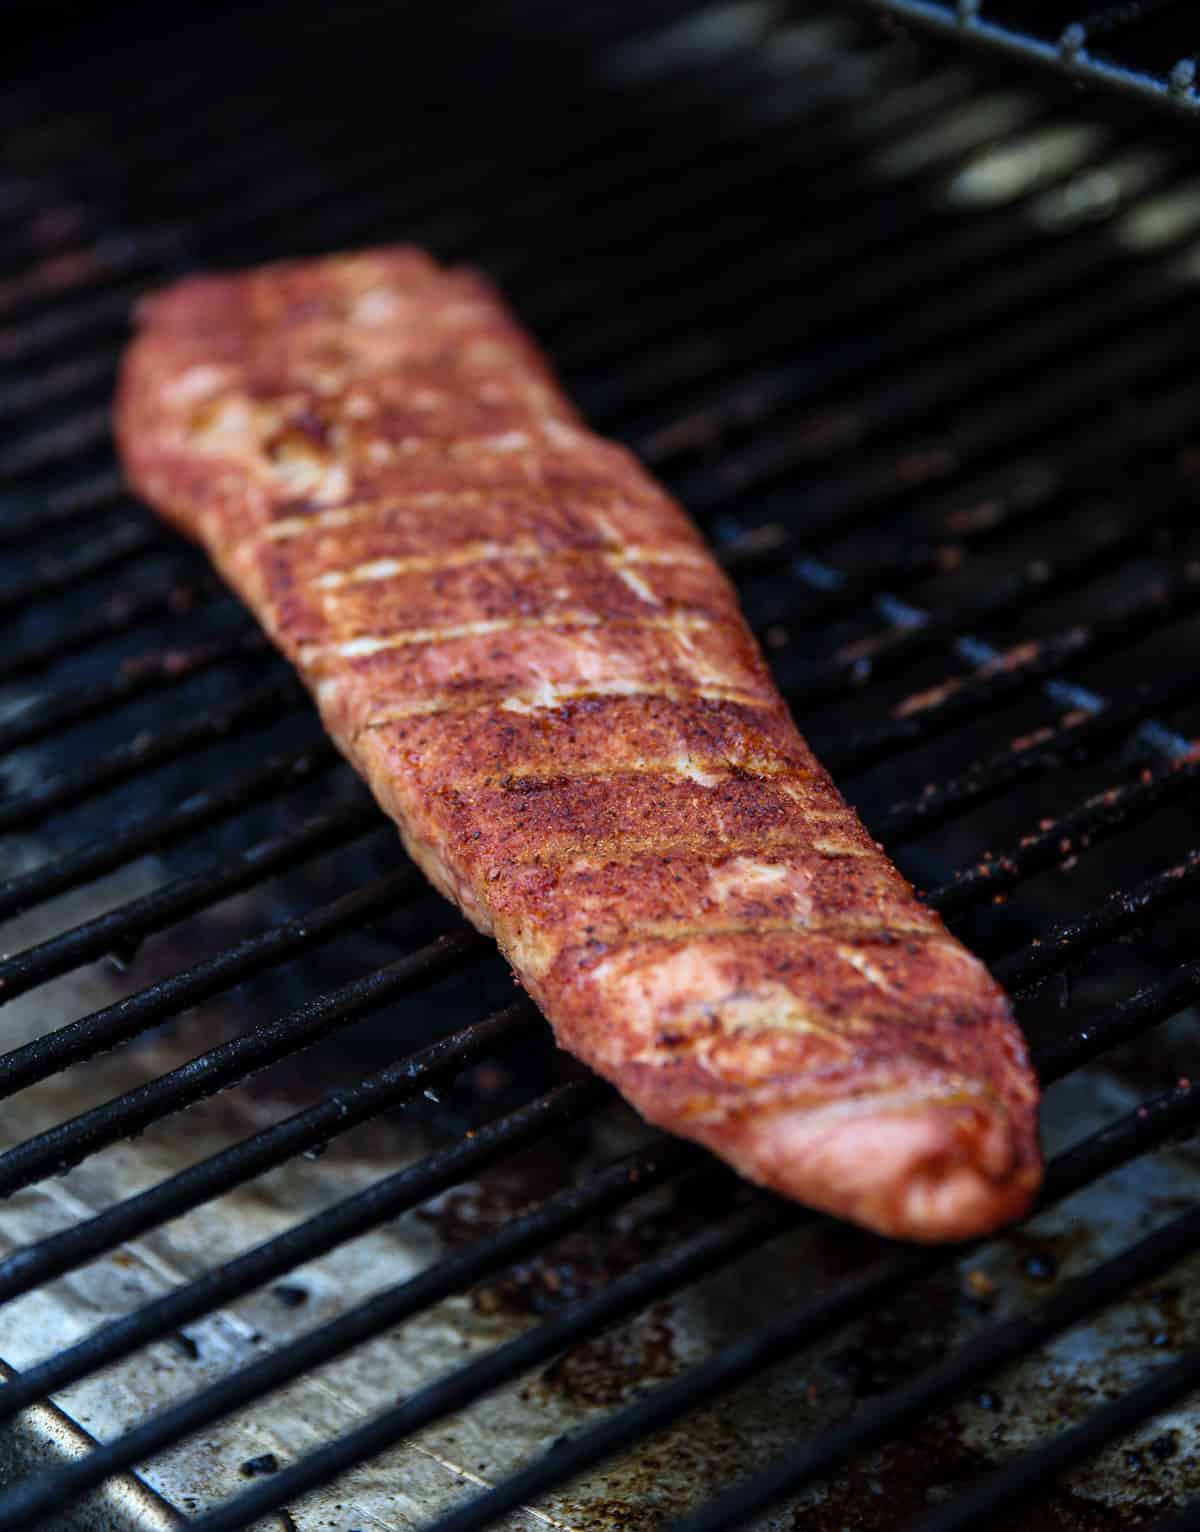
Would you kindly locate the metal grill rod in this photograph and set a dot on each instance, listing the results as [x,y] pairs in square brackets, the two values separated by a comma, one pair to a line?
[61,574]
[1066,54]
[139,757]
[911,110]
[57,385]
[99,492]
[277,774]
[852,667]
[639,245]
[1120,1023]
[519,174]
[123,929]
[121,614]
[1102,815]
[1166,1386]
[937,1385]
[636,229]
[219,181]
[21,342]
[1005,500]
[138,677]
[59,1253]
[915,631]
[1028,966]
[1012,265]
[1075,386]
[386,1090]
[735,1234]
[466,1384]
[881,1279]
[904,287]
[63,1146]
[294,193]
[45,447]
[603,1190]
[129,1017]
[1069,737]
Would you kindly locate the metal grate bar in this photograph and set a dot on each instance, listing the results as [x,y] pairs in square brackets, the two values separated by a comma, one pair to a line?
[466,169]
[939,803]
[138,677]
[60,575]
[602,1190]
[639,250]
[41,449]
[1021,970]
[100,492]
[938,1384]
[483,170]
[38,1494]
[52,1256]
[119,615]
[55,385]
[1102,815]
[561,305]
[129,1017]
[124,928]
[1158,601]
[1021,269]
[68,1143]
[1121,1022]
[878,1280]
[732,1236]
[277,774]
[926,715]
[1004,501]
[1067,54]
[67,323]
[1165,1387]
[457,1389]
[221,1172]
[21,344]
[836,505]
[254,709]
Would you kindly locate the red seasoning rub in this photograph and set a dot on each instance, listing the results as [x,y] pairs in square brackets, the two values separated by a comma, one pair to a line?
[523,645]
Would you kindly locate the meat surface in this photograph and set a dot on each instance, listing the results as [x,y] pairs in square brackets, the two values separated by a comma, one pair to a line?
[523,645]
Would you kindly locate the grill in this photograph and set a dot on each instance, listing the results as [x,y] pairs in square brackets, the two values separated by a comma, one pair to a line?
[1140,47]
[943,439]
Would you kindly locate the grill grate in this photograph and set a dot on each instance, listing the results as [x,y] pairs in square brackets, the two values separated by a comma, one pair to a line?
[1141,47]
[942,443]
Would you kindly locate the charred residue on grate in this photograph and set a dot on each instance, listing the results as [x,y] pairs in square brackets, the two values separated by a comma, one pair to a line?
[942,441]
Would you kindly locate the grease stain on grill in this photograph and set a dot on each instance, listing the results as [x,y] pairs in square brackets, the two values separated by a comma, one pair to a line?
[928,1467]
[616,1365]
[581,1262]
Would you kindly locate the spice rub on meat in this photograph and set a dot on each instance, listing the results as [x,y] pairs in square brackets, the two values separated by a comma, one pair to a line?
[523,645]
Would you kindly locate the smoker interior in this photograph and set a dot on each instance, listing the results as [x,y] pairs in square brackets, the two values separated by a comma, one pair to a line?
[305,1219]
